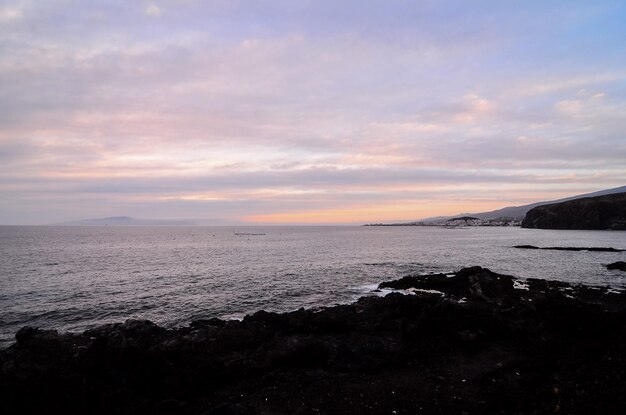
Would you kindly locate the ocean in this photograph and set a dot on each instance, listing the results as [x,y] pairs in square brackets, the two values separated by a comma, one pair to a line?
[74,278]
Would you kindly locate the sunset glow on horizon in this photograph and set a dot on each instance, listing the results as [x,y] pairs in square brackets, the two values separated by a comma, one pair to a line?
[325,112]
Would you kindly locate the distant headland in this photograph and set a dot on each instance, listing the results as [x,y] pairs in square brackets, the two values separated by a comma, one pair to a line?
[514,215]
[606,212]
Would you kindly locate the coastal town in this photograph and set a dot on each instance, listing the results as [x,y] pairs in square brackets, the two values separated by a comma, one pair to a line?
[459,222]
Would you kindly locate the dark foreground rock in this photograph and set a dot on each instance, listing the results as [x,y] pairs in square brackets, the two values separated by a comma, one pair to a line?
[549,348]
[620,265]
[600,212]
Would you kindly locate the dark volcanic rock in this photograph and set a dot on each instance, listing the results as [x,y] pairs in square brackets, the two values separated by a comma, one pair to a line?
[414,281]
[620,265]
[551,348]
[474,283]
[601,212]
[571,248]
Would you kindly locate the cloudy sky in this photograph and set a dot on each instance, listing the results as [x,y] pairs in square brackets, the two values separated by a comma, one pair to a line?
[308,111]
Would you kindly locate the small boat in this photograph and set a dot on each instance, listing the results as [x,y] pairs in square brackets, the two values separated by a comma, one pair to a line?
[248,234]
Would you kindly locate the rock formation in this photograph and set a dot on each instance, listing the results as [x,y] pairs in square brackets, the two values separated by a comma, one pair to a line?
[602,212]
[572,248]
[490,344]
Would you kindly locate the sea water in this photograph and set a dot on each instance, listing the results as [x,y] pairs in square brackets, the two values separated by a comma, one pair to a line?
[74,278]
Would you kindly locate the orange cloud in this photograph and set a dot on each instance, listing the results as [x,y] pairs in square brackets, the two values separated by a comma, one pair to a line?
[399,211]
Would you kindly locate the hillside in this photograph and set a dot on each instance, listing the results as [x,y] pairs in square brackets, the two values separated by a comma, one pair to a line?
[518,212]
[601,212]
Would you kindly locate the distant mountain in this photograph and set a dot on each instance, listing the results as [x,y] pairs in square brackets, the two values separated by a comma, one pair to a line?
[125,221]
[518,212]
[600,212]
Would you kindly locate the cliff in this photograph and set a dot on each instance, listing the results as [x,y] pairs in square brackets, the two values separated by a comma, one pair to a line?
[601,212]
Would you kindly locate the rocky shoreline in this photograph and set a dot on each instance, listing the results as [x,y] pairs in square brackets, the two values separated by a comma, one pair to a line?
[470,343]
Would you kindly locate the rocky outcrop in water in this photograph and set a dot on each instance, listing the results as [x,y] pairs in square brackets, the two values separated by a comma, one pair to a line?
[572,248]
[620,265]
[601,212]
[490,344]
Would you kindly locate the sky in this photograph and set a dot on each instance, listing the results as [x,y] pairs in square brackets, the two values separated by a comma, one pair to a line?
[306,112]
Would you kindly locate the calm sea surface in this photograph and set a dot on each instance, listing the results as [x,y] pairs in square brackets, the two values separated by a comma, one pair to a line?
[73,278]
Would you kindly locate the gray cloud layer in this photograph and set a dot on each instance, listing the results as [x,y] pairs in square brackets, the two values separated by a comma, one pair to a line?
[234,108]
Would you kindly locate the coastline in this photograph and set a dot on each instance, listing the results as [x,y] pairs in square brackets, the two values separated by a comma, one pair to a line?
[184,275]
[488,344]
